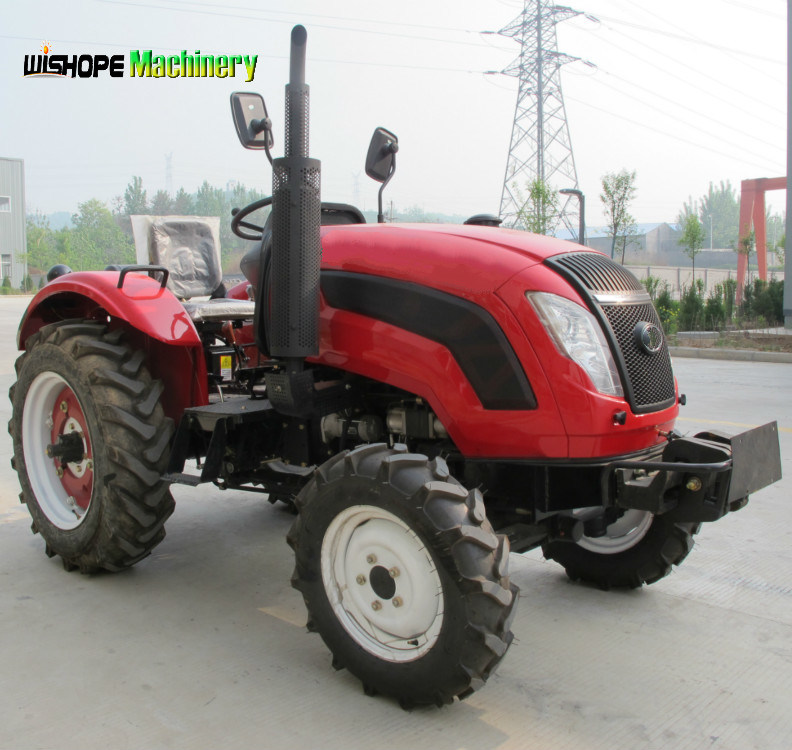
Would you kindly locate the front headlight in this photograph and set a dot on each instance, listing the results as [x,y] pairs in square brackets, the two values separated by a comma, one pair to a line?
[577,335]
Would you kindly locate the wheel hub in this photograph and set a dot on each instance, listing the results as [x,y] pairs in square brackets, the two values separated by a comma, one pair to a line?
[382,583]
[619,535]
[57,449]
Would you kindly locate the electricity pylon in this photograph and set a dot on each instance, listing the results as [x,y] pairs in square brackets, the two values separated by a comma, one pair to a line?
[540,144]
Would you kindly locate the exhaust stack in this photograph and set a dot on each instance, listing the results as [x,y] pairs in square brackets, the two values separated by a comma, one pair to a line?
[296,216]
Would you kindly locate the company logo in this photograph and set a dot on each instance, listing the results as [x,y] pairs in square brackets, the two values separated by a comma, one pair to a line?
[142,64]
[649,337]
[145,63]
[74,66]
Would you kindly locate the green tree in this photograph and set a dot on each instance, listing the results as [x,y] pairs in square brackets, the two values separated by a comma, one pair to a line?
[747,246]
[721,204]
[618,191]
[539,213]
[41,248]
[689,208]
[135,201]
[96,239]
[692,239]
[183,203]
[161,204]
[209,201]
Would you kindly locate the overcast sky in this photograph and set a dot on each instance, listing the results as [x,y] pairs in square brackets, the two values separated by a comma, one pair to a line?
[683,92]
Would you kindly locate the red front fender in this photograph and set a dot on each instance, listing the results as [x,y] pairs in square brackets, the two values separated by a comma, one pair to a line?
[154,319]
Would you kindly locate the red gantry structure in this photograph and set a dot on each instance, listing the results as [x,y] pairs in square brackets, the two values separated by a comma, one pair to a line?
[752,214]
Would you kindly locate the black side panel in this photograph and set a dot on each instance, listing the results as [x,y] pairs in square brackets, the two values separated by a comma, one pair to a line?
[468,331]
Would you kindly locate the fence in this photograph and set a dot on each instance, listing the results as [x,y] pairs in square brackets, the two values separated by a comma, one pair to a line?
[681,277]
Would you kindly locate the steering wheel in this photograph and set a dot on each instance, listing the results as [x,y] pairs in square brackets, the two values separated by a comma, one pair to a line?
[239,214]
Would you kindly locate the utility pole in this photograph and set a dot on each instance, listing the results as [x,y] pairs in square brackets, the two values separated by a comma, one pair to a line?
[540,145]
[787,254]
[169,173]
[581,211]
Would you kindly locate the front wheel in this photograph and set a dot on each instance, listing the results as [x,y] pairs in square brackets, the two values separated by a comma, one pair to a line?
[402,575]
[636,548]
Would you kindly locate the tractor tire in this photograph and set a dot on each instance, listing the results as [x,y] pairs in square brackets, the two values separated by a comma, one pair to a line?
[402,575]
[100,502]
[638,548]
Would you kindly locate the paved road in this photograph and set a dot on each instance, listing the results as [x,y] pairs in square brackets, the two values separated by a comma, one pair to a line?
[202,645]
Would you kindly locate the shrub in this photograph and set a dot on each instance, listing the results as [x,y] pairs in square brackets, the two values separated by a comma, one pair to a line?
[667,309]
[691,307]
[715,309]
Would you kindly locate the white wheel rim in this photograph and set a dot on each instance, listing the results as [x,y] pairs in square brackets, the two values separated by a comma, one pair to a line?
[382,583]
[621,535]
[42,471]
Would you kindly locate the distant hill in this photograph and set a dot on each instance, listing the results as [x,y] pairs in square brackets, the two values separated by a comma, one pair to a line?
[60,220]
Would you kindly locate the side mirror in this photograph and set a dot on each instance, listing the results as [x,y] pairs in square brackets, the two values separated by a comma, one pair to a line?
[380,157]
[253,126]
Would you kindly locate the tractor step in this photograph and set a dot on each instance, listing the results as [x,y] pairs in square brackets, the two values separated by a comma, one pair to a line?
[181,478]
[240,409]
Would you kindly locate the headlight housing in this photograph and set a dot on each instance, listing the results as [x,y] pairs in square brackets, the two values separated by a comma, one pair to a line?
[578,335]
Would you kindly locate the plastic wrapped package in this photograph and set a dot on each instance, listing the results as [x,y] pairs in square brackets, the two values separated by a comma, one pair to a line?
[188,246]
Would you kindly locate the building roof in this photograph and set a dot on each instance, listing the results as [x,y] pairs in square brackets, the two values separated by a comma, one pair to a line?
[602,231]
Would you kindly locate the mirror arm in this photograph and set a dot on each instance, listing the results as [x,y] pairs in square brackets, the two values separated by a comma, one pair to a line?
[265,125]
[380,215]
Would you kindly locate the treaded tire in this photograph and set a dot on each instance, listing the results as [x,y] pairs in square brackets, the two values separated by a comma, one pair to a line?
[107,510]
[406,509]
[652,556]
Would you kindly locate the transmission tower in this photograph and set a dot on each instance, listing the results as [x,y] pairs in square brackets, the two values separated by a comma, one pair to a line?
[169,173]
[540,144]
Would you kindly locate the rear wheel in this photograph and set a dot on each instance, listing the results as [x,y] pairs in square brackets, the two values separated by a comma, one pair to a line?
[90,443]
[402,575]
[636,548]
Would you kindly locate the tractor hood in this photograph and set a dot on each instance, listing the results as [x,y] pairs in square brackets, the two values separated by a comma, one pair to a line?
[472,259]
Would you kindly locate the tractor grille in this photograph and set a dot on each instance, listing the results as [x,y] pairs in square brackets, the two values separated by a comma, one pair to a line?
[597,273]
[620,302]
[650,375]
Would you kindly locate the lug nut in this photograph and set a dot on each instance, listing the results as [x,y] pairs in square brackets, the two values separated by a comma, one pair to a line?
[376,605]
[397,601]
[394,572]
[64,407]
[371,559]
[361,579]
[694,484]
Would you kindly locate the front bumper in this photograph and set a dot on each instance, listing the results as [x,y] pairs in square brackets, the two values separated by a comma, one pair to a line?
[697,479]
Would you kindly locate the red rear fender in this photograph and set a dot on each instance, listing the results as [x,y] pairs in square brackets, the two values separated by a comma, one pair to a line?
[155,320]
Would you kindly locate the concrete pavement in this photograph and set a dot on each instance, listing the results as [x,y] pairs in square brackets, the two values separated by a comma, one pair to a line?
[202,645]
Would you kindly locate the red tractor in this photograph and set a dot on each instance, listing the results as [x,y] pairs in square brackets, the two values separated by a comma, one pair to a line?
[427,397]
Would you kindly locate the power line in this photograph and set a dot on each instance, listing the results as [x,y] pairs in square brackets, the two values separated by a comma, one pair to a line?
[688,81]
[389,22]
[722,124]
[665,133]
[225,14]
[728,51]
[692,40]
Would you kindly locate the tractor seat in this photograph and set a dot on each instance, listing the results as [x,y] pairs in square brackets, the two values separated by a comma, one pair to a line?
[188,246]
[220,309]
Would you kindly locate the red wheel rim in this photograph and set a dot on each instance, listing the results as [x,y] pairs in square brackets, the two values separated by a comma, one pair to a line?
[76,477]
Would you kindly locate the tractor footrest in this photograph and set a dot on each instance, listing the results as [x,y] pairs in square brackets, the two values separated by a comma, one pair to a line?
[240,410]
[178,477]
